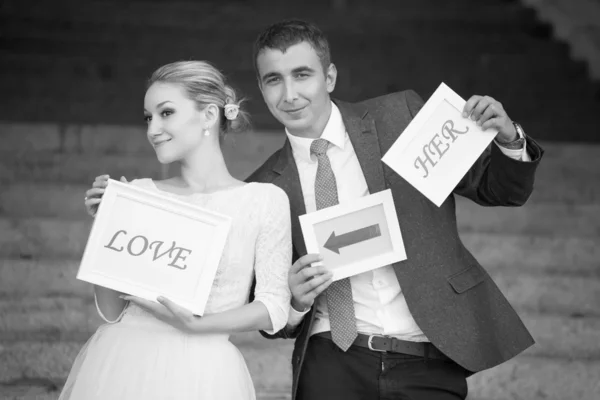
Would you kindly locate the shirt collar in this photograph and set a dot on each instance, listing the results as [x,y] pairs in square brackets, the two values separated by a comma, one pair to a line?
[334,132]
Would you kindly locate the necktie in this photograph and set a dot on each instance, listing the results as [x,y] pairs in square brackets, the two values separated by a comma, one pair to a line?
[339,294]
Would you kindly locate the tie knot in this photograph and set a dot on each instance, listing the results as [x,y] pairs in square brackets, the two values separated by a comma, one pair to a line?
[319,146]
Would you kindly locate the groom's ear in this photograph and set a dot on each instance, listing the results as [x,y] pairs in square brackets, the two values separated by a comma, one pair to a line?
[331,77]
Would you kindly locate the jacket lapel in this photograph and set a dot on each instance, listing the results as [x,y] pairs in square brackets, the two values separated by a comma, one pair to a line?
[363,135]
[289,181]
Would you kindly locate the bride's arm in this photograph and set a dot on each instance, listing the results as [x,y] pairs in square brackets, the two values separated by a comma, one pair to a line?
[108,303]
[273,258]
[270,308]
[250,317]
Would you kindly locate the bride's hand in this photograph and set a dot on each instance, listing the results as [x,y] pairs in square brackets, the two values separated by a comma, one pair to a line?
[93,196]
[169,312]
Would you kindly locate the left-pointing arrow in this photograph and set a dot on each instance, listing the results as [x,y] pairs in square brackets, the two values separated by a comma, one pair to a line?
[335,243]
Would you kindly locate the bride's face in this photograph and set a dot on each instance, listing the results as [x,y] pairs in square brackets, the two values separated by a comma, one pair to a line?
[175,124]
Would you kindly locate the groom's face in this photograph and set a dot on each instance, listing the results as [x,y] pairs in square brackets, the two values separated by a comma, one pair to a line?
[296,88]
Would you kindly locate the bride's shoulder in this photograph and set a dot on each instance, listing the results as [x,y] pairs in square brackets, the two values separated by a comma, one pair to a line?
[270,193]
[142,182]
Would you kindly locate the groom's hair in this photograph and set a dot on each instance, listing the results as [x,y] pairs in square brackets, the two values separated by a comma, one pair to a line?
[286,33]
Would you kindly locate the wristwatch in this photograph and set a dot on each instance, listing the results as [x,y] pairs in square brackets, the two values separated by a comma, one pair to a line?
[518,142]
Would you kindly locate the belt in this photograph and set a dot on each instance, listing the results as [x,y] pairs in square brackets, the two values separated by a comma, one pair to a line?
[390,344]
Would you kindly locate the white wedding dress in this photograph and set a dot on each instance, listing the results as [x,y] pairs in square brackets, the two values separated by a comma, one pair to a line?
[140,357]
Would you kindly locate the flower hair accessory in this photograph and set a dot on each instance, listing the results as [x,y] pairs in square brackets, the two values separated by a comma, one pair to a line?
[231,111]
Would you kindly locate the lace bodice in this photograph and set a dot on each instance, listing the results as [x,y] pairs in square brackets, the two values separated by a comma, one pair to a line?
[259,244]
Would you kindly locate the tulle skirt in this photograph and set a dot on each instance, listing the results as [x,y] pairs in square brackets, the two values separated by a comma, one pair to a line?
[143,358]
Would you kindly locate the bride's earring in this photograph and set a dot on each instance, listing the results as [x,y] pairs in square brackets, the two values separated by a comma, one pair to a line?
[206,132]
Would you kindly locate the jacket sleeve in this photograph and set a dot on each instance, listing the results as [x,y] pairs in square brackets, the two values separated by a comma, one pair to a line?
[498,180]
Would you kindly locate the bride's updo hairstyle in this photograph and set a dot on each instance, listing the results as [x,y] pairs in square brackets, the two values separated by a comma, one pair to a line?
[205,85]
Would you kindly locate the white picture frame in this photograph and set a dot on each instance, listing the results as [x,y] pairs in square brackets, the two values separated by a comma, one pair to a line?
[384,247]
[439,146]
[148,244]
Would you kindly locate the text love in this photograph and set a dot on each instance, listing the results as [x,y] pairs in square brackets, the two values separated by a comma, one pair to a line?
[138,245]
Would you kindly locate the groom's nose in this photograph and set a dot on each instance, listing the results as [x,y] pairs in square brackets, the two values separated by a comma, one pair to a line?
[290,94]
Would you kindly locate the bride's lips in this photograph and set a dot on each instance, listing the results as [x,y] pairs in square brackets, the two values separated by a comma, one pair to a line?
[158,143]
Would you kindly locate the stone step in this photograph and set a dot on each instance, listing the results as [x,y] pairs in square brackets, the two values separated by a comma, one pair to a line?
[69,153]
[490,21]
[118,106]
[492,39]
[508,254]
[123,95]
[550,294]
[185,15]
[40,238]
[545,255]
[119,93]
[30,389]
[21,138]
[556,180]
[533,218]
[534,378]
[38,389]
[522,377]
[503,256]
[80,169]
[568,294]
[75,319]
[43,72]
[53,361]
[125,82]
[48,319]
[29,200]
[36,237]
[80,157]
[122,107]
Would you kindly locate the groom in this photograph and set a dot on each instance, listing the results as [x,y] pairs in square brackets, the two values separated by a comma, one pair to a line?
[416,329]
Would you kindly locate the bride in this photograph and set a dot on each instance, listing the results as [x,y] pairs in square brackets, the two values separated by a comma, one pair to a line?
[149,350]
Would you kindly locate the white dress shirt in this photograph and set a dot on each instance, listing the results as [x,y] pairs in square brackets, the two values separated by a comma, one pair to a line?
[379,303]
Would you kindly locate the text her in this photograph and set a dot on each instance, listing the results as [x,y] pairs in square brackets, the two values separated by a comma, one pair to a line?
[138,245]
[436,148]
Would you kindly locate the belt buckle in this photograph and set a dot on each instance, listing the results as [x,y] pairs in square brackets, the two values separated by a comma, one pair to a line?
[370,344]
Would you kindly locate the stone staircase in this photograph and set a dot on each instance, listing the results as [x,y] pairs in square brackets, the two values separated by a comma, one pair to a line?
[544,256]
[86,61]
[72,76]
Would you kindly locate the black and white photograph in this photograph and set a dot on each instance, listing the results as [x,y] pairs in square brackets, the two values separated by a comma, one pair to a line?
[299,200]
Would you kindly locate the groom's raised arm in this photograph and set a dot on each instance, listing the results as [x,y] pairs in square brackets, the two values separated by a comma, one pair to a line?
[504,174]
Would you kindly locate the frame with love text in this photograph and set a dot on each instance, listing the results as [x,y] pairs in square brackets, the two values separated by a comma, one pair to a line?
[148,244]
[438,146]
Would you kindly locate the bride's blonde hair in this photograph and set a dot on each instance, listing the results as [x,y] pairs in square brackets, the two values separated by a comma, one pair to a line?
[205,85]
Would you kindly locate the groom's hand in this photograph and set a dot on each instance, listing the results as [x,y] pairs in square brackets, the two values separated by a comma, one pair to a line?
[488,112]
[307,282]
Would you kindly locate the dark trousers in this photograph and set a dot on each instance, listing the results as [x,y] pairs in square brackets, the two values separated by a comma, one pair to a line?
[328,373]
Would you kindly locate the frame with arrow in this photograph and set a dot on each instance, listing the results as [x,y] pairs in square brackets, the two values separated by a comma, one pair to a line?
[357,236]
